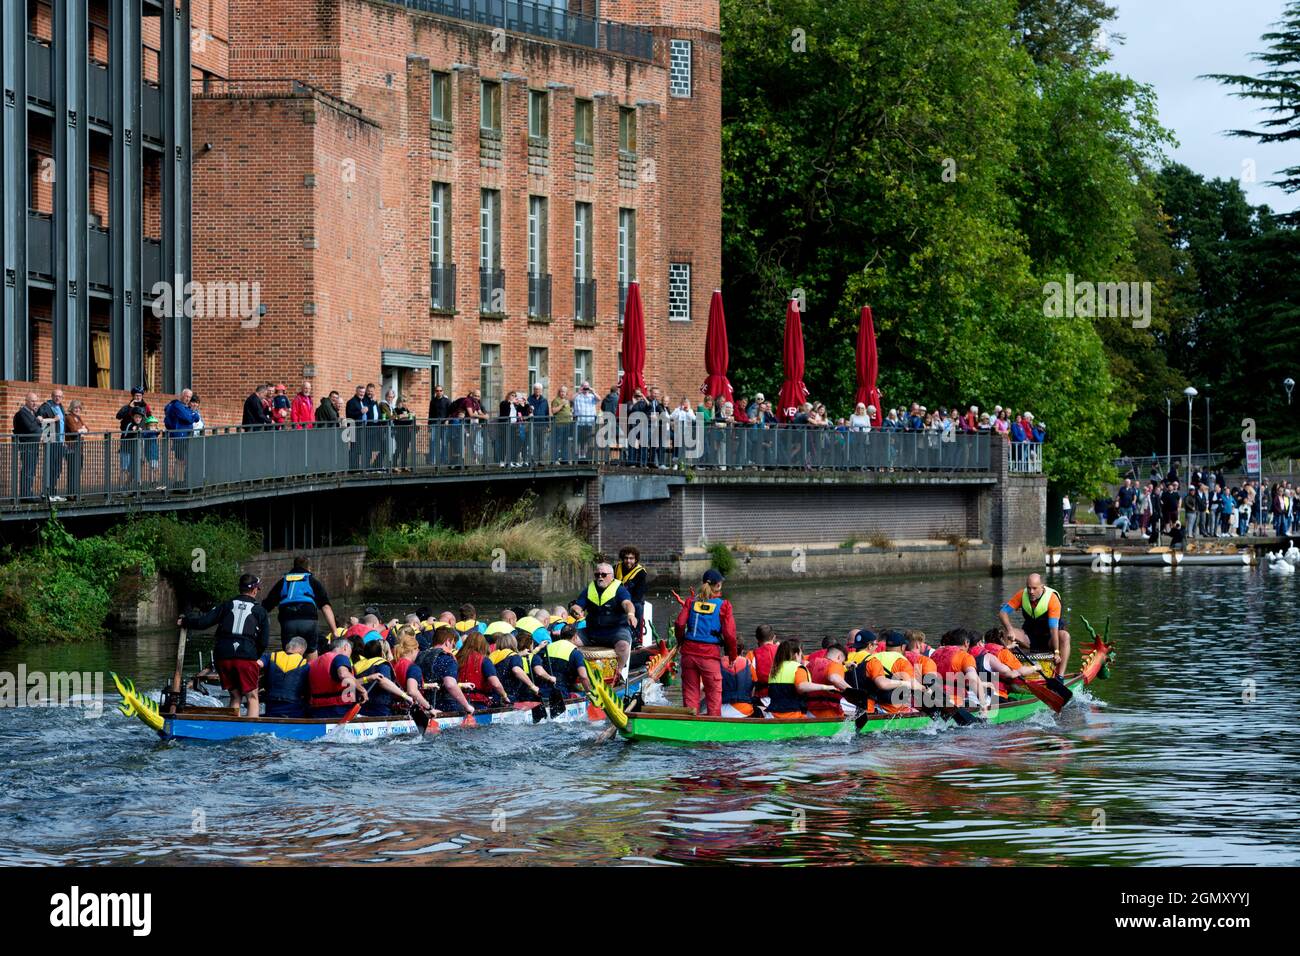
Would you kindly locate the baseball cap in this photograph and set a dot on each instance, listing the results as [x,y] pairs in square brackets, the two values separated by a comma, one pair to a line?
[713,576]
[865,637]
[894,638]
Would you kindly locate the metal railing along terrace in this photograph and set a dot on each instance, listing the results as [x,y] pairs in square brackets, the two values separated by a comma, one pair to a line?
[546,21]
[107,467]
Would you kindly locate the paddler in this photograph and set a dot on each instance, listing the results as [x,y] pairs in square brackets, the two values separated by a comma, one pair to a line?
[956,668]
[299,595]
[477,673]
[373,668]
[439,668]
[705,627]
[610,614]
[286,680]
[560,664]
[632,576]
[790,683]
[406,673]
[1040,609]
[761,657]
[997,663]
[469,620]
[243,630]
[887,676]
[865,643]
[738,681]
[332,681]
[512,669]
[827,669]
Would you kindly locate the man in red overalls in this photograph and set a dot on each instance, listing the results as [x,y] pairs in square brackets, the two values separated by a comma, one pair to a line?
[705,627]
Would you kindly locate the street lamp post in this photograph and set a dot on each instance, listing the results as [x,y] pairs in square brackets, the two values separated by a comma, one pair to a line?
[1191,393]
[1169,432]
[1207,427]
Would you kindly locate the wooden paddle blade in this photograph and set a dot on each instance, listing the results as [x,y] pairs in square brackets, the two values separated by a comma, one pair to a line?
[557,703]
[356,709]
[539,713]
[961,716]
[861,720]
[421,719]
[1058,686]
[1043,692]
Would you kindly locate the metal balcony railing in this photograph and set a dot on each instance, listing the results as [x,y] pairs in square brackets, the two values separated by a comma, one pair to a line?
[545,21]
[1026,458]
[111,470]
[584,302]
[442,287]
[492,291]
[539,296]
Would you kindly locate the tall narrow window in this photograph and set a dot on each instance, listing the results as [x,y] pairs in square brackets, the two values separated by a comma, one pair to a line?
[489,377]
[582,366]
[539,280]
[679,291]
[679,67]
[440,366]
[584,286]
[440,97]
[539,114]
[537,372]
[583,122]
[442,274]
[490,106]
[627,129]
[626,255]
[492,295]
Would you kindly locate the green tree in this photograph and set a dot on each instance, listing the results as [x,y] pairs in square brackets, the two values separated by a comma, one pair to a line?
[1062,31]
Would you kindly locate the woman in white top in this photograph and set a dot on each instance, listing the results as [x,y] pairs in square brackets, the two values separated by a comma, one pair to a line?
[860,420]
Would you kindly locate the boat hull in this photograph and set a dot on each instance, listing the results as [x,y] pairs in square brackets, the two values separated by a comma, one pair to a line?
[672,725]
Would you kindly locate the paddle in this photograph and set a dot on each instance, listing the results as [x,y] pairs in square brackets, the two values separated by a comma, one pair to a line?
[352,712]
[1050,690]
[860,699]
[177,676]
[612,729]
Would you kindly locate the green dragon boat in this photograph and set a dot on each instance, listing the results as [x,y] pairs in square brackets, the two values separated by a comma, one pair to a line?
[679,725]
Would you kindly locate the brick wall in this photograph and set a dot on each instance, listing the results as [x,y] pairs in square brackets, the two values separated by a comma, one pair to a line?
[1017,514]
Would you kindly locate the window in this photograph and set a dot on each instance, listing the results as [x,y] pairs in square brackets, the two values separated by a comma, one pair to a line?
[582,365]
[489,245]
[583,122]
[489,377]
[679,67]
[626,255]
[679,291]
[539,114]
[440,367]
[582,240]
[627,129]
[536,235]
[440,224]
[490,106]
[440,98]
[537,362]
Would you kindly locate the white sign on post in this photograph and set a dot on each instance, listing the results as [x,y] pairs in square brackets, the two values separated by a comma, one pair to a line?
[1252,458]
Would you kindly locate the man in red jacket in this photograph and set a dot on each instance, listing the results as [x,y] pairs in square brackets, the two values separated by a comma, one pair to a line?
[301,412]
[706,626]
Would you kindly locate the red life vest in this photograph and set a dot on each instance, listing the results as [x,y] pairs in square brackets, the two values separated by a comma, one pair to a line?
[943,658]
[471,672]
[762,657]
[326,689]
[817,671]
[399,672]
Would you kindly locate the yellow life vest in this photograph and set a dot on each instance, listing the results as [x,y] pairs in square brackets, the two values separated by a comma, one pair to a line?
[857,657]
[496,657]
[785,673]
[624,577]
[528,624]
[464,626]
[499,627]
[888,660]
[601,598]
[287,662]
[363,664]
[1037,609]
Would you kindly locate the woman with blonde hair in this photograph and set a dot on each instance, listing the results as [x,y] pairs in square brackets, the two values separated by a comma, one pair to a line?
[406,673]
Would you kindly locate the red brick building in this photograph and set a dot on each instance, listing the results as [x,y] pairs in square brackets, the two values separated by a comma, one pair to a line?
[421,197]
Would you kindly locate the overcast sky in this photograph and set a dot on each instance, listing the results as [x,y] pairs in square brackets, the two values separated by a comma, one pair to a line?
[1168,43]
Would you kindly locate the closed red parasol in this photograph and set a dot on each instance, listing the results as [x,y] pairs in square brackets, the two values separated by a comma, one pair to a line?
[868,365]
[793,390]
[633,345]
[715,352]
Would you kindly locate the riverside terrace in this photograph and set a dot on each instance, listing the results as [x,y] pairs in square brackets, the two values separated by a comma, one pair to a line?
[975,502]
[109,472]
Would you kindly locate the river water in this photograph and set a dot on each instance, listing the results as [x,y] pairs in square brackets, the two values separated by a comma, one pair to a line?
[1173,760]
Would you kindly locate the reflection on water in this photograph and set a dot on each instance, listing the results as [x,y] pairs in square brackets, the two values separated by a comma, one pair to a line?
[1163,763]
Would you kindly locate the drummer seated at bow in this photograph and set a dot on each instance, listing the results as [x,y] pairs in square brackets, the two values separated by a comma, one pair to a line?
[1040,631]
[790,685]
[609,612]
[478,677]
[997,663]
[560,666]
[512,668]
[888,676]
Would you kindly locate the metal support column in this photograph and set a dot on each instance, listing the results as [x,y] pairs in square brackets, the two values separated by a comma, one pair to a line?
[71,348]
[125,195]
[15,349]
[174,73]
